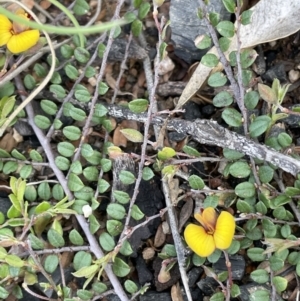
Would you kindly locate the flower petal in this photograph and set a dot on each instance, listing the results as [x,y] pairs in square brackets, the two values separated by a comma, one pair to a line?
[224,231]
[23,41]
[199,241]
[207,219]
[5,30]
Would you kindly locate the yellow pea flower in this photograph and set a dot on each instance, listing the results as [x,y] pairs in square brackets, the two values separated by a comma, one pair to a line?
[17,37]
[216,232]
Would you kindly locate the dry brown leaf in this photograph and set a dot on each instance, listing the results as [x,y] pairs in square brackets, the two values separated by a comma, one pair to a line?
[7,142]
[160,237]
[45,4]
[119,139]
[176,294]
[164,275]
[28,3]
[185,213]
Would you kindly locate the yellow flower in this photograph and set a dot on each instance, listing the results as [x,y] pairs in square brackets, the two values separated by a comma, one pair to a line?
[216,232]
[17,37]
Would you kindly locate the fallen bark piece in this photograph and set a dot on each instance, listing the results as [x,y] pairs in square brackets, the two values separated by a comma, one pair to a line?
[211,133]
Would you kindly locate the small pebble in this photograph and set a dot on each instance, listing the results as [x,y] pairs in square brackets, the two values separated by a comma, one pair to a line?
[294,75]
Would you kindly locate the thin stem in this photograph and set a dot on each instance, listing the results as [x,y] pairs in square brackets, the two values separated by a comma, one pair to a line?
[42,84]
[72,18]
[62,29]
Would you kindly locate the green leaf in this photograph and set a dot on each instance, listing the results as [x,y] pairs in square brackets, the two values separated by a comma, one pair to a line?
[29,82]
[101,50]
[99,287]
[55,239]
[265,173]
[129,16]
[248,56]
[133,135]
[35,156]
[217,79]
[116,211]
[166,153]
[203,42]
[232,117]
[246,17]
[84,295]
[251,99]
[147,174]
[214,18]
[197,260]
[77,114]
[103,88]
[103,185]
[87,150]
[130,286]
[121,196]
[76,167]
[114,227]
[66,51]
[136,213]
[82,94]
[126,177]
[243,206]
[35,242]
[256,254]
[107,242]
[126,249]
[224,43]
[100,110]
[229,5]
[81,55]
[81,7]
[259,125]
[235,290]
[16,154]
[260,295]
[62,163]
[49,106]
[136,27]
[223,99]
[280,283]
[91,173]
[51,263]
[72,132]
[82,259]
[75,238]
[143,10]
[196,182]
[66,149]
[260,276]
[276,263]
[225,29]
[58,91]
[138,105]
[217,297]
[94,224]
[71,72]
[231,154]
[44,191]
[74,182]
[284,139]
[191,151]
[120,268]
[240,169]
[245,190]
[3,293]
[210,60]
[10,167]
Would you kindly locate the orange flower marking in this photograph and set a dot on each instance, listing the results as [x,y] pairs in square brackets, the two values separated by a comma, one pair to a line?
[215,232]
[17,37]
